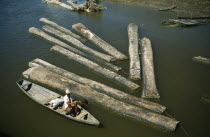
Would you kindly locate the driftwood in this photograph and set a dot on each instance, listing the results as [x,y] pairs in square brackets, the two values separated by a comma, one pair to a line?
[60,28]
[134,51]
[149,85]
[99,86]
[180,22]
[95,67]
[190,17]
[57,82]
[80,28]
[77,43]
[88,6]
[167,8]
[49,38]
[202,60]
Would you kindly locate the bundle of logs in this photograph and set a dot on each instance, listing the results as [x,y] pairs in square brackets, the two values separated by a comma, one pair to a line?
[87,6]
[71,46]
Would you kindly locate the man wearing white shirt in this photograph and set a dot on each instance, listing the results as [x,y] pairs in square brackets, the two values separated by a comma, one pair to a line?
[70,104]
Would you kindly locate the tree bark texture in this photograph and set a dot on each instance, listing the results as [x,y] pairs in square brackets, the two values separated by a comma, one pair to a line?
[149,84]
[133,37]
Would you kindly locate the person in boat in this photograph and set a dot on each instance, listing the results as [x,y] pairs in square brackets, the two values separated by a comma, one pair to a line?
[71,104]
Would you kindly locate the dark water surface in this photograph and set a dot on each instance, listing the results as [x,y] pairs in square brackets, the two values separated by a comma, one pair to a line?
[180,81]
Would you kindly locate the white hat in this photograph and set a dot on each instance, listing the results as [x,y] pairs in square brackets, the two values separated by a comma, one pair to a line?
[68,91]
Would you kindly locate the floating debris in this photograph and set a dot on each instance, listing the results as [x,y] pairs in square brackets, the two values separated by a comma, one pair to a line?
[168,8]
[202,60]
[180,22]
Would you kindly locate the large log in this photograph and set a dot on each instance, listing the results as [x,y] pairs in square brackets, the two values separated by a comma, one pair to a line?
[80,28]
[134,51]
[60,28]
[51,39]
[77,43]
[95,67]
[60,4]
[99,86]
[149,85]
[202,60]
[57,82]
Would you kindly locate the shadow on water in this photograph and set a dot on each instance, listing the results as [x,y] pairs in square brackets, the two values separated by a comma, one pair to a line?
[180,81]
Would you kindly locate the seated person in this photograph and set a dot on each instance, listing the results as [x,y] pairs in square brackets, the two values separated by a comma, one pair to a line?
[71,104]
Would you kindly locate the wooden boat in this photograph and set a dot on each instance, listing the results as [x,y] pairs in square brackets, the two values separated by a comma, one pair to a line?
[43,96]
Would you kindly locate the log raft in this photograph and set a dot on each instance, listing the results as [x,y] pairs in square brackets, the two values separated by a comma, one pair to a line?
[77,43]
[134,51]
[95,67]
[51,39]
[60,28]
[57,82]
[81,29]
[99,86]
[149,84]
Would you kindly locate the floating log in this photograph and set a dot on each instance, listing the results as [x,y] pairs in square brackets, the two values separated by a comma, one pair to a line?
[80,28]
[167,8]
[77,43]
[190,17]
[60,28]
[134,51]
[56,2]
[99,86]
[54,81]
[149,85]
[180,22]
[95,67]
[202,60]
[49,38]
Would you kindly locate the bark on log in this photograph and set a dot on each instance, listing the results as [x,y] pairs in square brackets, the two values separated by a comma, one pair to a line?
[99,86]
[60,4]
[60,28]
[202,60]
[80,28]
[149,85]
[57,82]
[133,36]
[95,67]
[77,43]
[51,39]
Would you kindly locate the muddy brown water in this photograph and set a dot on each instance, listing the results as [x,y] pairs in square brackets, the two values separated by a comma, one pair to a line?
[180,81]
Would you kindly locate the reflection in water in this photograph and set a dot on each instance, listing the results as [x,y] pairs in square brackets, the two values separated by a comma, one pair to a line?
[180,81]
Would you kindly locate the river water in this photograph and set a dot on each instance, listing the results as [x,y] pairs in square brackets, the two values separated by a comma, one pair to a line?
[180,81]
